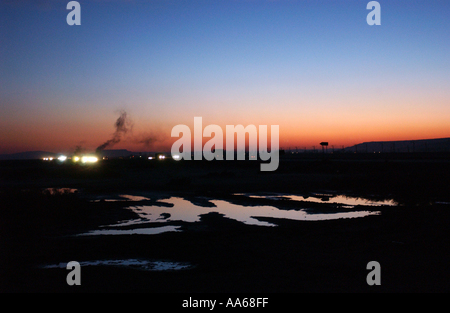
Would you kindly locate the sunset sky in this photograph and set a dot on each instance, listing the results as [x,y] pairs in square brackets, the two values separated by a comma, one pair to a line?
[315,68]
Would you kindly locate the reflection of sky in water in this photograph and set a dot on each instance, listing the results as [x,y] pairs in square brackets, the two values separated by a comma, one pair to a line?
[339,199]
[133,263]
[184,210]
[54,191]
[123,197]
[342,200]
[134,231]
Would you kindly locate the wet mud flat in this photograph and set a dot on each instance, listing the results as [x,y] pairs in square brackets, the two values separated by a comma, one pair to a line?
[216,253]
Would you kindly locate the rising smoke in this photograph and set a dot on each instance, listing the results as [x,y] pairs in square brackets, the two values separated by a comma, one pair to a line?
[122,126]
[78,150]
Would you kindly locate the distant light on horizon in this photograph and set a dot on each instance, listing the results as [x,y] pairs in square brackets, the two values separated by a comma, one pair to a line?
[62,158]
[89,159]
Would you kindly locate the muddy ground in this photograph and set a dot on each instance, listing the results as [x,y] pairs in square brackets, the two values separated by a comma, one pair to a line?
[410,241]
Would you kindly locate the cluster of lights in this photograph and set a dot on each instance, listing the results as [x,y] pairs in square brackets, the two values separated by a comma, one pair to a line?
[93,159]
[162,157]
[61,158]
[83,159]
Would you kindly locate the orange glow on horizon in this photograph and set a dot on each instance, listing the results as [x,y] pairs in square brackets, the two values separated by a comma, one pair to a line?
[298,127]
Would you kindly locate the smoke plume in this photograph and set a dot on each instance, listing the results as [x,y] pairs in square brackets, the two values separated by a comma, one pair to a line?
[122,126]
[78,150]
[148,139]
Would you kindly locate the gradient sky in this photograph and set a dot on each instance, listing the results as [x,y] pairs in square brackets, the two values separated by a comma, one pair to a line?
[315,68]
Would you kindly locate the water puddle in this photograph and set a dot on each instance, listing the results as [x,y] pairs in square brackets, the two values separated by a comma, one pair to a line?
[342,200]
[144,265]
[59,191]
[345,200]
[121,198]
[185,211]
[134,231]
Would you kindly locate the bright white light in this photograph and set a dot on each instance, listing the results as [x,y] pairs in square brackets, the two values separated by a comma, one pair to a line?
[89,159]
[162,157]
[76,159]
[150,158]
[50,159]
[62,158]
[176,157]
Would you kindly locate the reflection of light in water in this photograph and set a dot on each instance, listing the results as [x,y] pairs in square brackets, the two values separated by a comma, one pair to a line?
[132,263]
[244,214]
[53,191]
[134,198]
[135,231]
[340,199]
[184,210]
[343,200]
[123,198]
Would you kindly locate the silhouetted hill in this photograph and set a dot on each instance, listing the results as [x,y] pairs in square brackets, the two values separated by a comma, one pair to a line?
[28,155]
[424,145]
[117,153]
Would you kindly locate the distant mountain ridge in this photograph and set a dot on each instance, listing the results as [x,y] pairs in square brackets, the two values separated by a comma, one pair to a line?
[27,155]
[422,145]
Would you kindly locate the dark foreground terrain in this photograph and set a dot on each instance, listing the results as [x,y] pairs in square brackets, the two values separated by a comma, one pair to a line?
[410,241]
